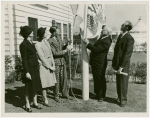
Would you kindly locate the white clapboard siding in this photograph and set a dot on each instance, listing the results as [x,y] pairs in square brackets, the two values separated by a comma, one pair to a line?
[7,41]
[16,30]
[59,9]
[16,35]
[7,47]
[6,16]
[33,10]
[59,6]
[7,52]
[6,23]
[18,24]
[47,19]
[59,12]
[19,41]
[19,18]
[45,23]
[6,36]
[6,11]
[17,52]
[6,30]
[6,5]
[39,14]
[64,5]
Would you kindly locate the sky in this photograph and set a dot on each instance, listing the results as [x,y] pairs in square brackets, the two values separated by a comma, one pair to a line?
[116,14]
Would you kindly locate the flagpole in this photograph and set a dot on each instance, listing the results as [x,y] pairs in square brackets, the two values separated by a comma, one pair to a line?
[85,61]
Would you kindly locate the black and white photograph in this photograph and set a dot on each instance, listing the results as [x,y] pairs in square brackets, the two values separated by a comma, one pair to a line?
[74,57]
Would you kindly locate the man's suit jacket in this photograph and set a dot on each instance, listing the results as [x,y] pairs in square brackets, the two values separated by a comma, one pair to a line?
[99,51]
[57,50]
[123,51]
[28,55]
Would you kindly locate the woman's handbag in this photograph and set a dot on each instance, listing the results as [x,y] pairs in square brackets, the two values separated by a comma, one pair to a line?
[23,77]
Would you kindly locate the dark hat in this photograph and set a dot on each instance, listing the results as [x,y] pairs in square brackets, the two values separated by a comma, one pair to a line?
[25,31]
[41,31]
[53,29]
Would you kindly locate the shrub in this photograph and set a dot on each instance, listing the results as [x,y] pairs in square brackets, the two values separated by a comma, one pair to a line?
[141,71]
[144,47]
[13,68]
[10,77]
[137,73]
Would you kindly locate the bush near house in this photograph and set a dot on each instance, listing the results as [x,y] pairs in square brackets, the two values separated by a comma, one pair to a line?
[13,69]
[137,73]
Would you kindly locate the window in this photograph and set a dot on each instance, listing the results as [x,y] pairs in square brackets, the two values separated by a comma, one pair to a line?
[33,23]
[59,27]
[65,32]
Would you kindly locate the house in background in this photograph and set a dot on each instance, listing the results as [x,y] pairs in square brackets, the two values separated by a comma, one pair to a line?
[35,16]
[139,33]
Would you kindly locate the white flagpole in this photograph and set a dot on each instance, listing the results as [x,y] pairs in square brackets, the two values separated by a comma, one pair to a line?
[85,61]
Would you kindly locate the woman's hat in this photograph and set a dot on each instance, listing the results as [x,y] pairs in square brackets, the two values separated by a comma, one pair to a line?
[25,31]
[41,31]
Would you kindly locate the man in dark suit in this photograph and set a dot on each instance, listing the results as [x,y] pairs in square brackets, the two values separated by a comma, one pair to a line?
[121,61]
[98,62]
[59,51]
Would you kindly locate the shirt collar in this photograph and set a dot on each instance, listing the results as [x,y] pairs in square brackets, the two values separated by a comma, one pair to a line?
[124,34]
[30,41]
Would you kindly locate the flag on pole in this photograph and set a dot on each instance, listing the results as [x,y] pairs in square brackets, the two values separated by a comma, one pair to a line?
[95,19]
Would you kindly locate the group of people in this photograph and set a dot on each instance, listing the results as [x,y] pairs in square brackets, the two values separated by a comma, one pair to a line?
[44,65]
[120,62]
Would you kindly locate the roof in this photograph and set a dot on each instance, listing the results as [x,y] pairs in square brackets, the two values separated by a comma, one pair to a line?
[139,27]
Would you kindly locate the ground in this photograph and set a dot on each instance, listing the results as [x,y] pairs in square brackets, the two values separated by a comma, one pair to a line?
[14,100]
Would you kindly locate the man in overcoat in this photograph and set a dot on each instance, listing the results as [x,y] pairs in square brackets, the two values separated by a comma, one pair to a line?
[98,62]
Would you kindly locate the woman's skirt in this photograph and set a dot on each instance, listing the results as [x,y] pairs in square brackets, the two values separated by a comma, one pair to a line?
[47,77]
[35,84]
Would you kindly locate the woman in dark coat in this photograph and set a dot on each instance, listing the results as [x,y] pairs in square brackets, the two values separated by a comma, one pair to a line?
[31,67]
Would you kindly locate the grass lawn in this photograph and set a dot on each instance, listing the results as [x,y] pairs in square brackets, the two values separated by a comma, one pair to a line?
[136,57]
[14,100]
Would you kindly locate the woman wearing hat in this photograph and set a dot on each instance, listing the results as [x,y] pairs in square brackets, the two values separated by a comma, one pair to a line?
[31,67]
[47,65]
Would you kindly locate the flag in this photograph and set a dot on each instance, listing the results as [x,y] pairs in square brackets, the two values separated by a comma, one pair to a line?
[95,19]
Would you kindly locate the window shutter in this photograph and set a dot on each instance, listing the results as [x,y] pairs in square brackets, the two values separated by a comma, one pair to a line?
[53,23]
[33,23]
